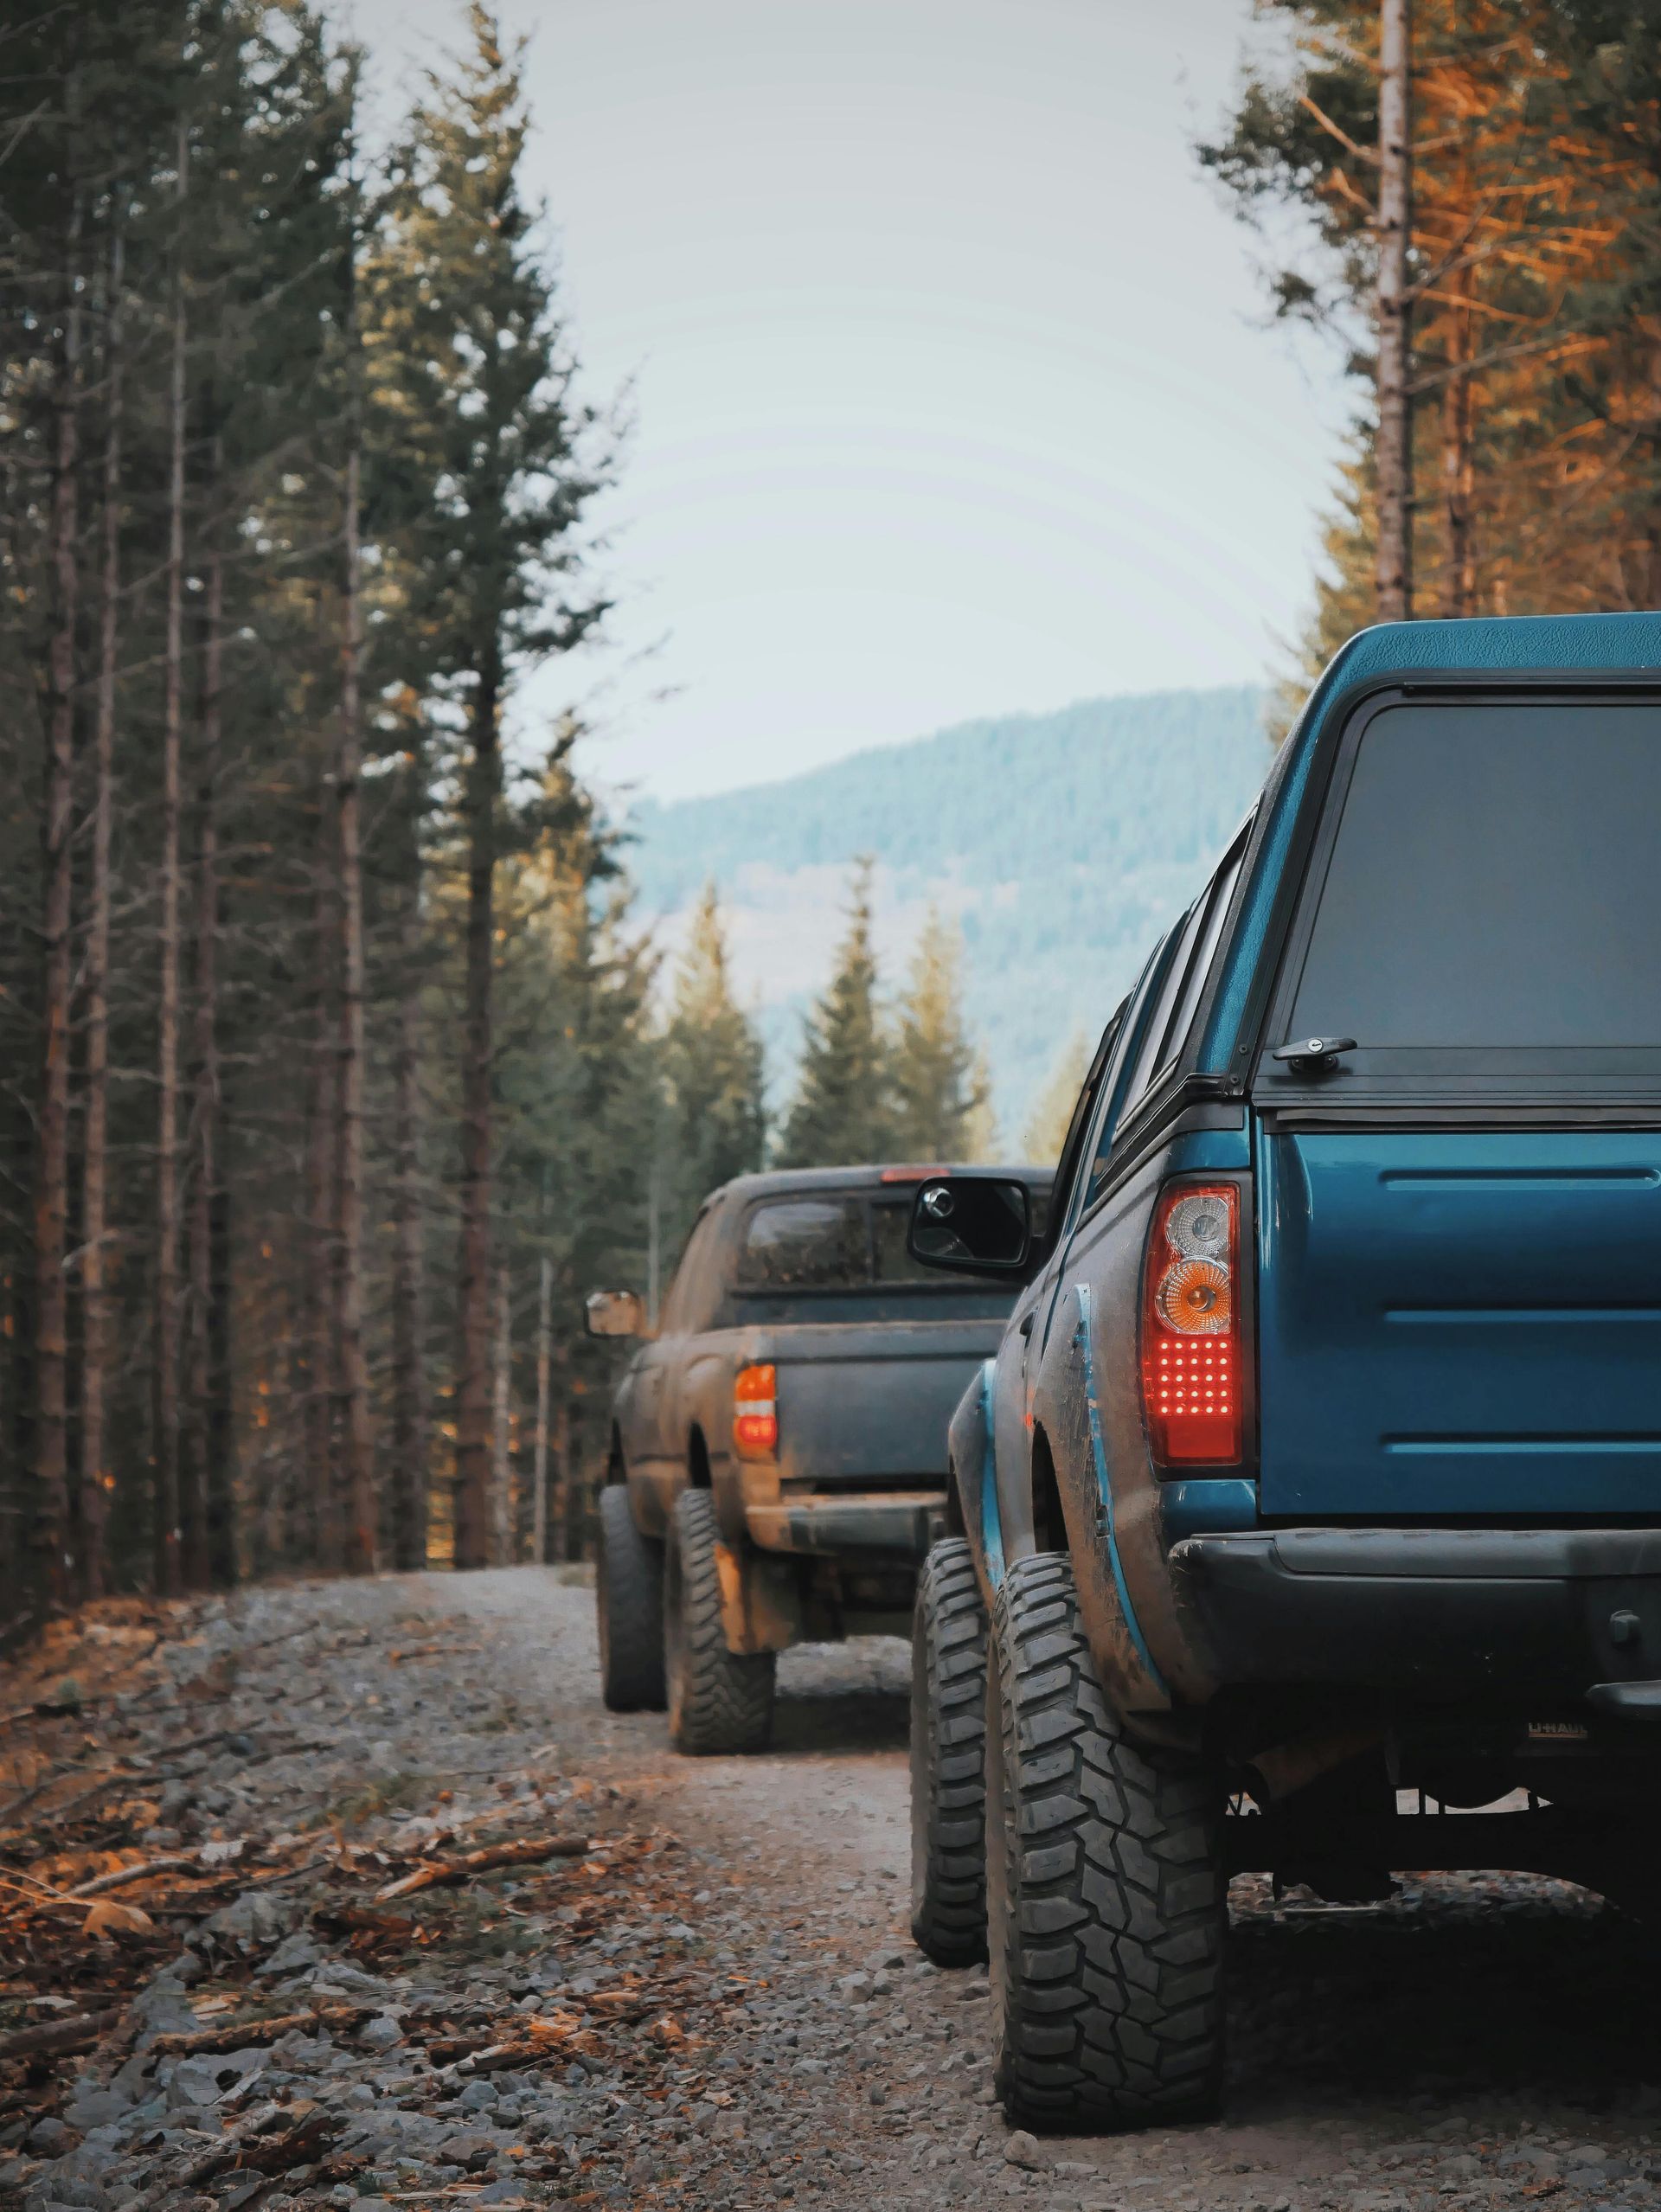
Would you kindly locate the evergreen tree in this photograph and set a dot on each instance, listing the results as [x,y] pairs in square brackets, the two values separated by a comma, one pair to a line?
[1536,223]
[842,1111]
[579,1095]
[1052,1112]
[475,368]
[711,1066]
[938,1075]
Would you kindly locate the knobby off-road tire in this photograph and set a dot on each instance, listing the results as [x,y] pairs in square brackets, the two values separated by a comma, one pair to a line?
[948,1759]
[629,1606]
[1105,1886]
[719,1700]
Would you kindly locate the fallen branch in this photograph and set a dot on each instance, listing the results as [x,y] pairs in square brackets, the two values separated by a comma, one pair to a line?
[56,1774]
[100,1787]
[240,2034]
[58,2037]
[269,2154]
[118,1878]
[47,1709]
[449,1874]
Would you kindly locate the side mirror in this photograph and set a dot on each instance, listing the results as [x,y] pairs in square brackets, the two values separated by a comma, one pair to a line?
[614,1313]
[971,1224]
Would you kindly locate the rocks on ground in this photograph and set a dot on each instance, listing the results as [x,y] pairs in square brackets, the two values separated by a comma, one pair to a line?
[686,2014]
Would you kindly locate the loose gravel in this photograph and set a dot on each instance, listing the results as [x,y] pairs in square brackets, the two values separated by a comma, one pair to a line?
[722,2008]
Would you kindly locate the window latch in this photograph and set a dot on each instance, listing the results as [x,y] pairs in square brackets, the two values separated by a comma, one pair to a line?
[1312,1055]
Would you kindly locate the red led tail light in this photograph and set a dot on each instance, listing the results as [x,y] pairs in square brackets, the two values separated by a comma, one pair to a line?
[1192,1357]
[755,1413]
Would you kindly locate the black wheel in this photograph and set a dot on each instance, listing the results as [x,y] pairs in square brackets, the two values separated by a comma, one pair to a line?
[719,1699]
[1105,1886]
[948,1759]
[629,1606]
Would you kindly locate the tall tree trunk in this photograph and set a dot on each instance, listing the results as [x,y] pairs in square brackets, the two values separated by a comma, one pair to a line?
[322,1486]
[166,1484]
[95,1188]
[201,1505]
[223,1550]
[410,1440]
[1395,441]
[1458,596]
[503,1544]
[357,1442]
[544,1363]
[473,1386]
[571,1502]
[1458,593]
[50,1533]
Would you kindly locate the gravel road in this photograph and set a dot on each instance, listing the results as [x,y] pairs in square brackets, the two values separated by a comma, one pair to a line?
[735,2016]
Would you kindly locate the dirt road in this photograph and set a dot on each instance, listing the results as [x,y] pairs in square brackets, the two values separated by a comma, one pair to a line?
[729,2010]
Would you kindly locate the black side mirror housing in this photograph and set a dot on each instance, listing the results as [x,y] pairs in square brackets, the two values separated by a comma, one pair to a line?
[972,1225]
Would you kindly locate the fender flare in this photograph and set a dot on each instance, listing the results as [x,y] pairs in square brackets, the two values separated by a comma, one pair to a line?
[974,1469]
[1067,1405]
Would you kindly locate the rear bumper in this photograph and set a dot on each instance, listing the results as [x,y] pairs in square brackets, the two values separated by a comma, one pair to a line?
[887,1528]
[1442,1612]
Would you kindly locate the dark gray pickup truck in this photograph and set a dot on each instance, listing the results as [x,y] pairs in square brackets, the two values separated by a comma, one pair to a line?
[778,1456]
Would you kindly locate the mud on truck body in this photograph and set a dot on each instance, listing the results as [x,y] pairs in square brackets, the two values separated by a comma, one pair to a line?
[778,1460]
[1314,1489]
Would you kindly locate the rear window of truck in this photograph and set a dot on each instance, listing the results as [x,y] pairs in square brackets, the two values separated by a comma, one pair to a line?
[834,1243]
[1492,883]
[830,1243]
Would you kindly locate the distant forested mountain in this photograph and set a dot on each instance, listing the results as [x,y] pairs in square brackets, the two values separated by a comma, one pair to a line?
[1063,844]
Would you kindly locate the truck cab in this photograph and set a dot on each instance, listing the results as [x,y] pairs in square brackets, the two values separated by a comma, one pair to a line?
[1314,1489]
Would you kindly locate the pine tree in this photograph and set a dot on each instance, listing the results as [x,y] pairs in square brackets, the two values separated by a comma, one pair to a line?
[581,1105]
[1534,224]
[940,1079]
[475,372]
[711,1066]
[842,1111]
[1052,1112]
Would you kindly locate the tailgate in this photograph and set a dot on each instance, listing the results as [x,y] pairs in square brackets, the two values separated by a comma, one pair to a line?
[1460,1322]
[870,1402]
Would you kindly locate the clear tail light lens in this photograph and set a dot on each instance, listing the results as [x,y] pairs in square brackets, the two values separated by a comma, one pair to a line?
[1190,1328]
[755,1413]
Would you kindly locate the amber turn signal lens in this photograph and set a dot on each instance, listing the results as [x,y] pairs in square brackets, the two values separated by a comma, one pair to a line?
[755,1413]
[1195,1297]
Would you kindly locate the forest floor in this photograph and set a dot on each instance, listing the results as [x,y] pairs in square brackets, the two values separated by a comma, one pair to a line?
[350,1894]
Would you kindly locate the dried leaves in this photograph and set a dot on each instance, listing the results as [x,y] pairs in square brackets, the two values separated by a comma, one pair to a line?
[107,1920]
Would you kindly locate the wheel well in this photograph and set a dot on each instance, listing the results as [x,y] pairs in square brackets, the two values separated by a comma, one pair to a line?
[1049,1527]
[697,1461]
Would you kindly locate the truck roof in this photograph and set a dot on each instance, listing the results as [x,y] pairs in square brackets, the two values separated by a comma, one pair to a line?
[779,1182]
[1587,642]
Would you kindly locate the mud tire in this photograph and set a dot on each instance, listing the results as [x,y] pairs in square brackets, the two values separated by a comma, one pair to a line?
[948,1759]
[1105,1892]
[629,1609]
[719,1700]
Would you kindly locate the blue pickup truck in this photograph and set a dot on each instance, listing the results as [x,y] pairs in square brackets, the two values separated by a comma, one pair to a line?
[1314,1494]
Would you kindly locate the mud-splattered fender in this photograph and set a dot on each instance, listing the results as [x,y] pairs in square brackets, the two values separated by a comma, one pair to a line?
[1117,1562]
[974,1470]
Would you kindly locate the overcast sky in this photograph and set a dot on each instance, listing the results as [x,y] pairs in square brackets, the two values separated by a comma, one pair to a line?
[951,386]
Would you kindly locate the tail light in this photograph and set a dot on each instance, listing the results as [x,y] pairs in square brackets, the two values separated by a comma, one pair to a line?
[1190,1327]
[755,1413]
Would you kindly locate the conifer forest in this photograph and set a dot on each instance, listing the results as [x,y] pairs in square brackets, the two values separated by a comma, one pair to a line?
[339,1065]
[338,1070]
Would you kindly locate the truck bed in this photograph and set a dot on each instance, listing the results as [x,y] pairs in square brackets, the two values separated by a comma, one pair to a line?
[866,1403]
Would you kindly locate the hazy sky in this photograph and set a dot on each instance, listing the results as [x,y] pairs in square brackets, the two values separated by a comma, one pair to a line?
[952,388]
